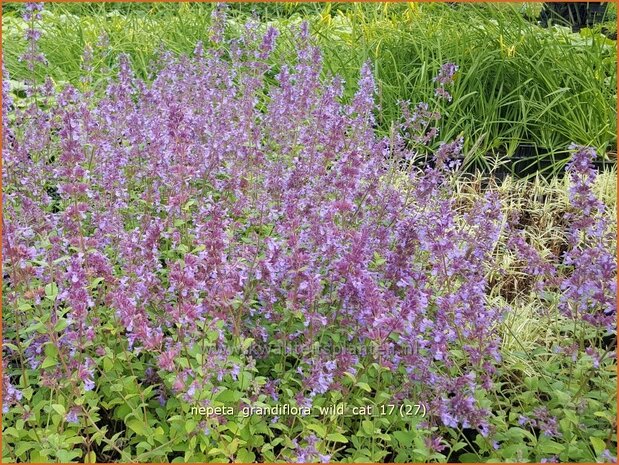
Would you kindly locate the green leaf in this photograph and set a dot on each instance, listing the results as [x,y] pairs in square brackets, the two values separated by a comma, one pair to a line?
[200,248]
[458,445]
[378,260]
[405,438]
[137,426]
[95,282]
[107,364]
[59,408]
[469,458]
[67,456]
[28,393]
[39,457]
[24,447]
[51,350]
[228,396]
[188,205]
[245,456]
[233,446]
[598,445]
[246,343]
[48,362]
[365,386]
[190,425]
[368,427]
[244,380]
[607,415]
[550,447]
[318,428]
[336,437]
[11,431]
[563,397]
[61,325]
[51,291]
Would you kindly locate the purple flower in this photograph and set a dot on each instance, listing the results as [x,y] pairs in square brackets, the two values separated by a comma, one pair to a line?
[10,394]
[434,443]
[607,457]
[446,74]
[442,93]
[72,415]
[310,452]
[85,373]
[32,11]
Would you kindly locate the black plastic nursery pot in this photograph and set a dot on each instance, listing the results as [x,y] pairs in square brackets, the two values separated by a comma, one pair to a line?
[529,160]
[576,15]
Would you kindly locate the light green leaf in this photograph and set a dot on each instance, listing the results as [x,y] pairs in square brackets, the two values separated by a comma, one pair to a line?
[59,408]
[368,427]
[598,445]
[365,386]
[337,437]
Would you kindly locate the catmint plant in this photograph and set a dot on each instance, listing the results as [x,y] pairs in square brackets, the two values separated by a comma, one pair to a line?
[162,230]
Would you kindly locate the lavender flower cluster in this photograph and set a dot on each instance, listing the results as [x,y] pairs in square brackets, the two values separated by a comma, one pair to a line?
[239,197]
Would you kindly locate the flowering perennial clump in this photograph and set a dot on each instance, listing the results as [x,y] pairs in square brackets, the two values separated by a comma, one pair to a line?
[593,283]
[237,202]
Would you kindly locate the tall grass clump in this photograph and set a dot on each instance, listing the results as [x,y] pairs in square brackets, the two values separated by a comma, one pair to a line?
[521,85]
